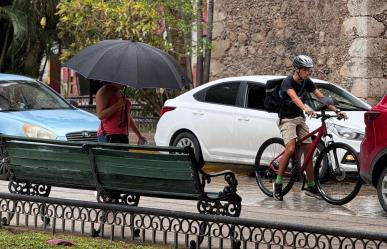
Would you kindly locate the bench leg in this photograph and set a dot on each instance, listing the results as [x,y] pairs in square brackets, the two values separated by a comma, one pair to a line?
[117,198]
[230,206]
[29,188]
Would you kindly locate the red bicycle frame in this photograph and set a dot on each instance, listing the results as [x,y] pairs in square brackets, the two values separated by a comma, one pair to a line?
[321,131]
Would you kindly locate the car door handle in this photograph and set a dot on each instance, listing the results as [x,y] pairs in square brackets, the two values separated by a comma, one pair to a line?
[243,119]
[198,113]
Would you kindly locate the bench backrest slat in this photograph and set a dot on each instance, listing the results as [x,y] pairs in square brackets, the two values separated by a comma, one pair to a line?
[148,173]
[50,164]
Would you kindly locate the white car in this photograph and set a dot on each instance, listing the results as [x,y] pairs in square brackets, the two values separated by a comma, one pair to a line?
[225,120]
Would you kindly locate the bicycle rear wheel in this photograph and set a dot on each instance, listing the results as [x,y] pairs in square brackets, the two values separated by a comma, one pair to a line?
[266,167]
[342,181]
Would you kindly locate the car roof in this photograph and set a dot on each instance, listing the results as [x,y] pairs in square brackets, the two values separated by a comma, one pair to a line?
[261,78]
[252,78]
[5,76]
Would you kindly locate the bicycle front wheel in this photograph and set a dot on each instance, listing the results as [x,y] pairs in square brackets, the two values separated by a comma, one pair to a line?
[266,167]
[342,181]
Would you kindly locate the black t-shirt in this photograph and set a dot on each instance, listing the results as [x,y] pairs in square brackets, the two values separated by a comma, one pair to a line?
[289,109]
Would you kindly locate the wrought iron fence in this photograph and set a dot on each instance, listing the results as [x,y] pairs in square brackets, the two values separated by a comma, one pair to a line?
[145,123]
[179,229]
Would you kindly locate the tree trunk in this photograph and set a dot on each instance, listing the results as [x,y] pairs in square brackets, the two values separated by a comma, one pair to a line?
[5,46]
[207,57]
[199,44]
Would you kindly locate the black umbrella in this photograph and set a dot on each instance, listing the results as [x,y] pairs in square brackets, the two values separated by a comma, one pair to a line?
[135,64]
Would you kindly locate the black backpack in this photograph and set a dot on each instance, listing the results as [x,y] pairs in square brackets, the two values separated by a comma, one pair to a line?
[273,101]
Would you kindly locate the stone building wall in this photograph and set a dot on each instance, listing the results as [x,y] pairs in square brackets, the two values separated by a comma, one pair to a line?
[346,38]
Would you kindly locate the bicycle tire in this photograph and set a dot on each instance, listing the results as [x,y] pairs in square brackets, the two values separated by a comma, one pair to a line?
[264,175]
[343,181]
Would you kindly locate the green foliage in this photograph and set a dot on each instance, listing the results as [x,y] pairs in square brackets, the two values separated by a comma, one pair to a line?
[86,22]
[161,23]
[24,41]
[18,239]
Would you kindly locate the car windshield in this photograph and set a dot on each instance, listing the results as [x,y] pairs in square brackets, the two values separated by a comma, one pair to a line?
[343,99]
[20,95]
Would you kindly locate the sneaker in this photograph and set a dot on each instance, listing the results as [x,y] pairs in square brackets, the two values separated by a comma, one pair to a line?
[313,192]
[277,191]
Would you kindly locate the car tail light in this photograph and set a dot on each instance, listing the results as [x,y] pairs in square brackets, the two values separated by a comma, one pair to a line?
[370,116]
[166,109]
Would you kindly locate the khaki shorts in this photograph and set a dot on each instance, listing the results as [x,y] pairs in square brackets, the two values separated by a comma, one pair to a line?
[294,128]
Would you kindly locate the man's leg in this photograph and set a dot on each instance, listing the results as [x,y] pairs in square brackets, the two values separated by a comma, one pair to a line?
[309,168]
[289,135]
[283,163]
[311,189]
[302,131]
[284,160]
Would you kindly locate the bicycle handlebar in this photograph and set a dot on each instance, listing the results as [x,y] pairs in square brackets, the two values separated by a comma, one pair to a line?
[325,116]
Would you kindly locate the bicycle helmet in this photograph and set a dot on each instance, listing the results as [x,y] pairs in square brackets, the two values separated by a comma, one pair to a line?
[302,61]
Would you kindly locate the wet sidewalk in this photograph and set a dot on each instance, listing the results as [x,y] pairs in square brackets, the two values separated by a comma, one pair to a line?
[362,214]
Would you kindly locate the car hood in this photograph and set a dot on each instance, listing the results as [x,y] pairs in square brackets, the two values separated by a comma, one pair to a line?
[60,121]
[355,121]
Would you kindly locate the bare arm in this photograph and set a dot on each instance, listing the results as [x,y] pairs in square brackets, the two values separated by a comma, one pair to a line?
[333,108]
[296,100]
[132,124]
[103,110]
[319,95]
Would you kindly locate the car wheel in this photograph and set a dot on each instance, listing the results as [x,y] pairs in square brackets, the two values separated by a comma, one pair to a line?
[188,139]
[4,165]
[382,189]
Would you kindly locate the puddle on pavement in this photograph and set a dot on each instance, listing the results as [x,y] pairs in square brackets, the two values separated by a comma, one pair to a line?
[365,203]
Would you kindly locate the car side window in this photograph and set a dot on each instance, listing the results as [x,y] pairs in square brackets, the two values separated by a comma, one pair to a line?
[225,94]
[255,97]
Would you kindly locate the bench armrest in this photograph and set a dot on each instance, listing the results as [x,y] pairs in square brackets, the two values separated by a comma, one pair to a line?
[229,177]
[220,173]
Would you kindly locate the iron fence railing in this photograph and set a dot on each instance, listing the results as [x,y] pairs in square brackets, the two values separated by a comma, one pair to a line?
[144,122]
[179,229]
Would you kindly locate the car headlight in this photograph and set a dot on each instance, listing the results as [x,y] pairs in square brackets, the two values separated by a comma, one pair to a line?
[38,132]
[347,133]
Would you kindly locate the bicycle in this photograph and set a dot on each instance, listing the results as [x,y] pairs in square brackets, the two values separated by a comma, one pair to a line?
[336,169]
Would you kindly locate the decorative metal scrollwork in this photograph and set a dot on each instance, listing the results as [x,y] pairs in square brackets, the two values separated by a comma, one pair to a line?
[124,199]
[227,203]
[73,215]
[219,207]
[29,188]
[232,183]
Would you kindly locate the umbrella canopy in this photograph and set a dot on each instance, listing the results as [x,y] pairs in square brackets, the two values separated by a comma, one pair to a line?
[135,64]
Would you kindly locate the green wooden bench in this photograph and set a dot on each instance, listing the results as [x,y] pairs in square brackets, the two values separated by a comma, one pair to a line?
[36,165]
[119,173]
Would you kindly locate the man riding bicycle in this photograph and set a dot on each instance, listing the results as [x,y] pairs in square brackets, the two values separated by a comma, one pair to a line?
[292,119]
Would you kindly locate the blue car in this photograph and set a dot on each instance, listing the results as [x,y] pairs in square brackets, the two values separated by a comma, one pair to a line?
[32,109]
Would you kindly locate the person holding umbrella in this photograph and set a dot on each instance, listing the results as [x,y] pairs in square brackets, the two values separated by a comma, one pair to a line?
[114,111]
[130,63]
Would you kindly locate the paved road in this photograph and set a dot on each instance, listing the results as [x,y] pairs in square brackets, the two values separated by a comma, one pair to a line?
[363,213]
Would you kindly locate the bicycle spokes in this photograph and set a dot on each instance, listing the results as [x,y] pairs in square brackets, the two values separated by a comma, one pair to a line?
[267,164]
[341,182]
